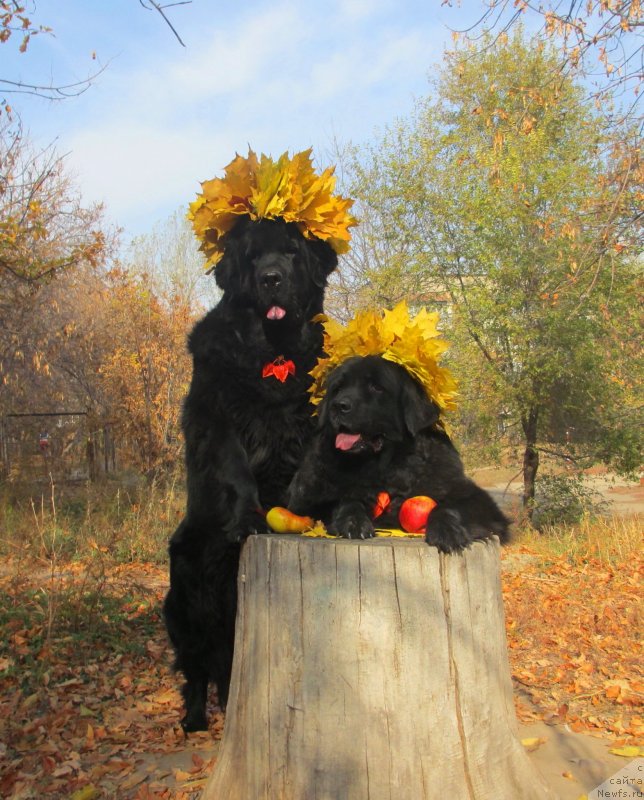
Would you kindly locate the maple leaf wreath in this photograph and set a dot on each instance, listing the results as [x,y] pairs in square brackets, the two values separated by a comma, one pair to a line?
[262,188]
[412,342]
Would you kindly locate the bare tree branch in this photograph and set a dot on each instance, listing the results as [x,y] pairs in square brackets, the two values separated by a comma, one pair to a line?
[50,92]
[151,5]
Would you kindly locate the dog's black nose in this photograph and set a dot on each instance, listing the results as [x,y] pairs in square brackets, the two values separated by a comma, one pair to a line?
[272,279]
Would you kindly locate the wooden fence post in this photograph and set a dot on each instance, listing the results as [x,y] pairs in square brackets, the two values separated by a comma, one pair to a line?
[370,670]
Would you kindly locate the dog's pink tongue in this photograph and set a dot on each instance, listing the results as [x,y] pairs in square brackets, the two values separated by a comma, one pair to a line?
[345,441]
[275,312]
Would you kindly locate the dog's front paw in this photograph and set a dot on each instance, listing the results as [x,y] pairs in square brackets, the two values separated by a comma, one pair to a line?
[352,523]
[250,523]
[446,531]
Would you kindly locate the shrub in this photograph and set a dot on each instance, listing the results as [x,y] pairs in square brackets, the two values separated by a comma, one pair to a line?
[565,500]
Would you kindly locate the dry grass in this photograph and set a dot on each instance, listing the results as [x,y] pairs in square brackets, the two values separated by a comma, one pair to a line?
[65,551]
[65,524]
[58,525]
[610,540]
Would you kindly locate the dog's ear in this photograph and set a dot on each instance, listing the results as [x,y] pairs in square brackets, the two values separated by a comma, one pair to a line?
[228,270]
[323,261]
[323,412]
[418,411]
[330,387]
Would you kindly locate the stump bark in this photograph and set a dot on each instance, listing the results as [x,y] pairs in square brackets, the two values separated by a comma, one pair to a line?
[370,670]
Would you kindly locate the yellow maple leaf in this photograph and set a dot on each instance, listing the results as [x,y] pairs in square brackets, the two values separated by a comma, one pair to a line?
[287,189]
[88,792]
[414,343]
[628,751]
[533,743]
[318,531]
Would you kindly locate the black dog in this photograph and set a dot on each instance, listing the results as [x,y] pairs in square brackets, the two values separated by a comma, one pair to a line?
[378,433]
[247,421]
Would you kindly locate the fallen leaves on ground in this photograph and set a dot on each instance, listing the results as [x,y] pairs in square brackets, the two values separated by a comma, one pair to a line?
[574,640]
[92,709]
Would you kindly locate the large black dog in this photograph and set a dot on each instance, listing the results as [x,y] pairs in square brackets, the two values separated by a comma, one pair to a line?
[247,421]
[378,432]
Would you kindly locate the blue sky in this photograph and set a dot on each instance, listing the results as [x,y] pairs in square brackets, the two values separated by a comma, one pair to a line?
[280,75]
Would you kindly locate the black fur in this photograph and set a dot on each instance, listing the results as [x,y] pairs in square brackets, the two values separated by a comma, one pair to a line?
[245,435]
[400,450]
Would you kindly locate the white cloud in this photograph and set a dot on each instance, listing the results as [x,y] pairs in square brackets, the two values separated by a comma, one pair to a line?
[278,76]
[357,71]
[235,60]
[136,171]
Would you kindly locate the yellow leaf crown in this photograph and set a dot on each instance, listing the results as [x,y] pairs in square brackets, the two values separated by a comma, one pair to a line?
[414,343]
[265,189]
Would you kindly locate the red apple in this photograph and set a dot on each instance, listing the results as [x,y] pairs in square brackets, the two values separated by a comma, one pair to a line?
[414,513]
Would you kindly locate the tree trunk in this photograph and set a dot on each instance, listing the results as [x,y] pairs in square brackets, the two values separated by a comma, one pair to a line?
[369,670]
[530,459]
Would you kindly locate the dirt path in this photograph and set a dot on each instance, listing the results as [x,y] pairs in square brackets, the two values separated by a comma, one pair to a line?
[572,763]
[623,496]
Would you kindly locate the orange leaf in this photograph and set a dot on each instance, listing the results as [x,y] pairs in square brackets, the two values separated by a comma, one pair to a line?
[198,762]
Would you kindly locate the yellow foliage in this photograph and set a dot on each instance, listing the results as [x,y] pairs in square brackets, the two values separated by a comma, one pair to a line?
[88,792]
[288,189]
[414,343]
[628,751]
[319,531]
[533,743]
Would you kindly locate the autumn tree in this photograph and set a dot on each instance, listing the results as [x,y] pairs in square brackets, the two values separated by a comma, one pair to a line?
[44,227]
[108,344]
[503,199]
[169,257]
[145,371]
[154,298]
[45,231]
[78,333]
[598,39]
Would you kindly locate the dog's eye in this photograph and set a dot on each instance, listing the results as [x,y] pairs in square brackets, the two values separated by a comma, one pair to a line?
[375,388]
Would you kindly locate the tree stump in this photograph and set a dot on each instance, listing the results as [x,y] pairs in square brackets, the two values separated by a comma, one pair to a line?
[369,670]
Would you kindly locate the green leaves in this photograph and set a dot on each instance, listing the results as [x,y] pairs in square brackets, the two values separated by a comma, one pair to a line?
[500,200]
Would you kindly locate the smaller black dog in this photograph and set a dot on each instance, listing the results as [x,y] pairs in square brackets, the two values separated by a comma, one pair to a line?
[378,432]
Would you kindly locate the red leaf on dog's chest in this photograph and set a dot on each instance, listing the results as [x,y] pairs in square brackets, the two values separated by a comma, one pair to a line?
[280,369]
